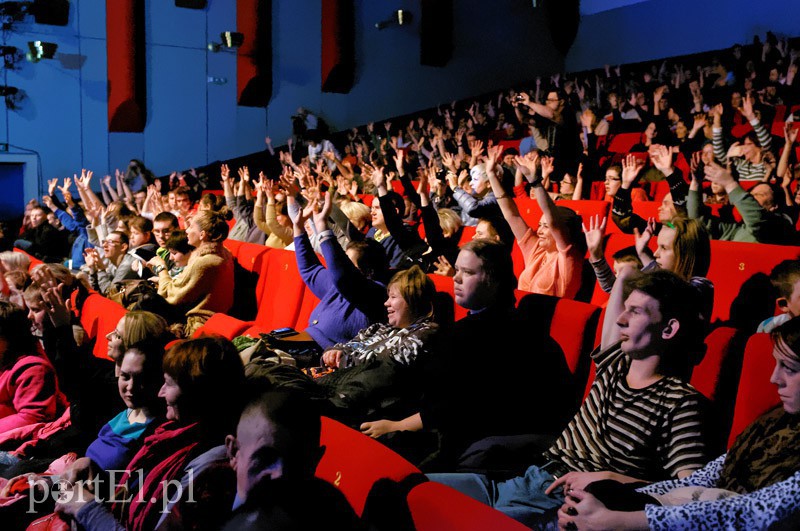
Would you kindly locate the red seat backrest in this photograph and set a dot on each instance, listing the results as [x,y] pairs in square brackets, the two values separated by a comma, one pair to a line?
[756,395]
[598,190]
[279,291]
[232,246]
[748,185]
[573,326]
[90,313]
[353,462]
[658,189]
[437,507]
[509,144]
[587,208]
[733,263]
[738,131]
[223,325]
[706,375]
[251,256]
[467,234]
[646,209]
[529,210]
[445,285]
[623,142]
[109,314]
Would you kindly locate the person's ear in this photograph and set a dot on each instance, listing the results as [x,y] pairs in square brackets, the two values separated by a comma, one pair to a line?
[232,448]
[783,304]
[671,329]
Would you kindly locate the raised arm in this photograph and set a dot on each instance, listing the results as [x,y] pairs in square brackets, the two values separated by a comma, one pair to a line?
[615,307]
[506,202]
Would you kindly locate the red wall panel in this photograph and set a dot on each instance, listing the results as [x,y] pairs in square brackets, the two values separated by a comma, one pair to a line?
[125,53]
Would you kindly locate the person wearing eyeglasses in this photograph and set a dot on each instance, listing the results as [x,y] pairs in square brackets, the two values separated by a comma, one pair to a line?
[115,265]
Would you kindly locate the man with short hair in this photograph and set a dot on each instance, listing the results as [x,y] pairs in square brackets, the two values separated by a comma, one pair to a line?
[640,422]
[110,271]
[274,454]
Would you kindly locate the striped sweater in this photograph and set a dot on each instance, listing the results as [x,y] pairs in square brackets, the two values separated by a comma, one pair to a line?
[651,433]
[747,170]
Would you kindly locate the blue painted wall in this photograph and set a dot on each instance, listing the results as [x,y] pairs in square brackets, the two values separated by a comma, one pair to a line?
[665,28]
[191,122]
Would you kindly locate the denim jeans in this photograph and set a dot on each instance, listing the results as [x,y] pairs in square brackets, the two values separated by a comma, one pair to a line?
[522,498]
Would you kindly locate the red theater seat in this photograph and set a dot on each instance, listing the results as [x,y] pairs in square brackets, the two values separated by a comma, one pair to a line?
[587,208]
[623,142]
[437,507]
[756,395]
[353,462]
[279,292]
[733,263]
[99,316]
[223,325]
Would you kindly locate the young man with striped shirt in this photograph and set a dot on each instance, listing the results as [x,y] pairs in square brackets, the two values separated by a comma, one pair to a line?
[640,422]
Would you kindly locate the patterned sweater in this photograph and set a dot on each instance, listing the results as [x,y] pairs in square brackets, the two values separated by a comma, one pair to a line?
[762,464]
[403,345]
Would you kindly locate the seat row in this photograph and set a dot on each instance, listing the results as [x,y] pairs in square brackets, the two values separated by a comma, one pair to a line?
[734,375]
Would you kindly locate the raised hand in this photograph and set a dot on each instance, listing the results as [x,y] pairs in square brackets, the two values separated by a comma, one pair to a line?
[51,186]
[493,155]
[244,174]
[548,165]
[643,238]
[48,202]
[447,161]
[631,166]
[662,158]
[594,236]
[321,214]
[476,148]
[224,172]
[443,267]
[790,133]
[526,165]
[65,187]
[398,162]
[55,306]
[378,179]
[747,107]
[694,166]
[700,122]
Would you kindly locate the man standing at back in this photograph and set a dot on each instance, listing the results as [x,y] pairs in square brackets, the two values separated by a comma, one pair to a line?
[640,422]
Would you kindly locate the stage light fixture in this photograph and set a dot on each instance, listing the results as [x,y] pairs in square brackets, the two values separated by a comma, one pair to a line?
[230,41]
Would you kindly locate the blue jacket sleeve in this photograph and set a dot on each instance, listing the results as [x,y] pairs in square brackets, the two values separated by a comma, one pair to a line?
[314,274]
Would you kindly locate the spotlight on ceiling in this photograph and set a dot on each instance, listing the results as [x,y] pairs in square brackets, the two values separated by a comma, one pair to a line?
[39,50]
[12,96]
[230,41]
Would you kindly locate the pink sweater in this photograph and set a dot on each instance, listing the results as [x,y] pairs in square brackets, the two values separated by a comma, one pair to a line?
[28,393]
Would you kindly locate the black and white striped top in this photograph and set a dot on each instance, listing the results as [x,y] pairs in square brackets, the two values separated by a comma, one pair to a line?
[747,171]
[650,434]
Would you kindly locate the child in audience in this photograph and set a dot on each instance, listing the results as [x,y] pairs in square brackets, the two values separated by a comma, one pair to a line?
[179,252]
[785,278]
